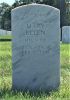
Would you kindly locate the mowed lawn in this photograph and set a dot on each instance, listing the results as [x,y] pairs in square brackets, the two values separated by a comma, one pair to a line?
[5,37]
[6,93]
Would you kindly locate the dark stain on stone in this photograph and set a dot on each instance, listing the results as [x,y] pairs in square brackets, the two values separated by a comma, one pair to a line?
[35,79]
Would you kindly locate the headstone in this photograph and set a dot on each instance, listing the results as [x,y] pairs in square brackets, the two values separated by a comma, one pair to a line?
[66,34]
[60,35]
[5,32]
[36,48]
[2,32]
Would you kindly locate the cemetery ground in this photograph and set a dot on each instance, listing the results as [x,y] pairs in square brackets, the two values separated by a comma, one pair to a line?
[6,37]
[6,93]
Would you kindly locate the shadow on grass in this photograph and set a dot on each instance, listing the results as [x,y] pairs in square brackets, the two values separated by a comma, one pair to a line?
[5,40]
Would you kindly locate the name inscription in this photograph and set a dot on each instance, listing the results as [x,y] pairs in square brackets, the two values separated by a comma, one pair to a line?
[33,39]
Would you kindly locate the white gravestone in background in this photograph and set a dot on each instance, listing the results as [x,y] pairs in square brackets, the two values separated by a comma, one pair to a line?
[66,34]
[36,47]
[5,32]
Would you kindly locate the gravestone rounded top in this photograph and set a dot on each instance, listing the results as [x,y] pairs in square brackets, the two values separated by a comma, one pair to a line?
[35,5]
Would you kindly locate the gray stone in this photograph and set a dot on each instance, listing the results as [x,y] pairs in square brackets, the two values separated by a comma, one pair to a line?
[60,35]
[36,47]
[66,34]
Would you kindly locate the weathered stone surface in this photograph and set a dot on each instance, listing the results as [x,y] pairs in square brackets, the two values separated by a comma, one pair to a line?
[36,47]
[66,34]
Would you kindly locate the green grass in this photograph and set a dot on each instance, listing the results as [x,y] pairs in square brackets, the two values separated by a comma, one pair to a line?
[63,92]
[5,37]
